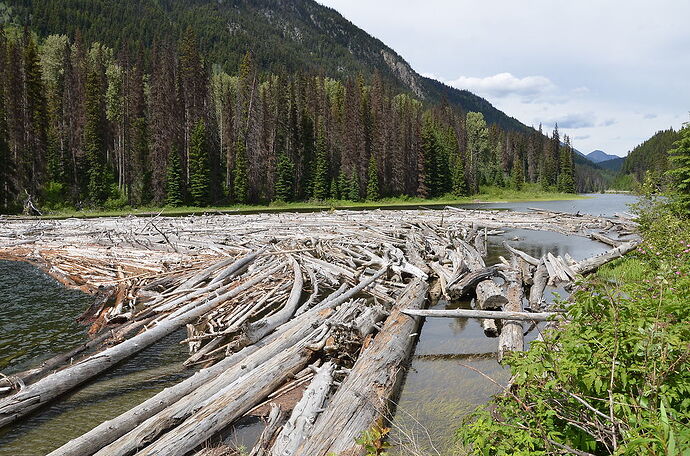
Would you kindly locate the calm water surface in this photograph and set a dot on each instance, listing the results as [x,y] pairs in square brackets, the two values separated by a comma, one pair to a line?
[37,320]
[447,378]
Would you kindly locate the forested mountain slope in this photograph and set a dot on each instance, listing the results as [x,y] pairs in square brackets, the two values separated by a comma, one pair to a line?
[651,155]
[106,103]
[283,36]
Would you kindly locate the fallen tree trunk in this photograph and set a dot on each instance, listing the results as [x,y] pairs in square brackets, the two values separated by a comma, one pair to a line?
[469,281]
[50,387]
[511,337]
[364,396]
[301,422]
[536,292]
[490,297]
[483,314]
[593,263]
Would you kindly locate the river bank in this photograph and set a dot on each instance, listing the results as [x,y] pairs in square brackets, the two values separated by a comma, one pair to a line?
[531,192]
[615,379]
[152,244]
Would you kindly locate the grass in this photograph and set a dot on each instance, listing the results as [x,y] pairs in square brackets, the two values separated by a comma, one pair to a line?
[530,192]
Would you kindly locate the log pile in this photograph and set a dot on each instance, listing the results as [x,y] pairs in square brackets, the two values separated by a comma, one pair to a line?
[321,306]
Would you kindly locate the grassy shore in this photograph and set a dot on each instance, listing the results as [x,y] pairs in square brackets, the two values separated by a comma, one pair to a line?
[486,195]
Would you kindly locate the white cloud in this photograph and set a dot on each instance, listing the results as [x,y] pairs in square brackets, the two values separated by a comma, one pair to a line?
[504,84]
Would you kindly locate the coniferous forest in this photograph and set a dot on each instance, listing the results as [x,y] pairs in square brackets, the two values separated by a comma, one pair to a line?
[84,125]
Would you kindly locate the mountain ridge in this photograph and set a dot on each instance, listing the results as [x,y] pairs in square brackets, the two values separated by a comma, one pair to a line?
[598,156]
[296,35]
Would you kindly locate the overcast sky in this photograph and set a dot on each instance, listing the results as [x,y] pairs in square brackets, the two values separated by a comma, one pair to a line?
[611,73]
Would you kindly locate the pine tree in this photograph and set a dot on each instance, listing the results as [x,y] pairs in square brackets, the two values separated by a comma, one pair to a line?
[37,125]
[98,186]
[173,180]
[285,180]
[321,184]
[518,172]
[679,157]
[353,188]
[566,178]
[240,181]
[373,181]
[199,172]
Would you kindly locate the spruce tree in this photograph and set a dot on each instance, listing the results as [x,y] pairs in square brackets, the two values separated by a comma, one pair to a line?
[173,180]
[566,177]
[321,185]
[285,179]
[353,187]
[679,157]
[373,181]
[98,185]
[517,173]
[199,172]
[4,146]
[240,181]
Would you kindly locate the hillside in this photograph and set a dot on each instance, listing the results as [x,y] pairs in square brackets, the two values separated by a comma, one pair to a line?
[295,35]
[651,155]
[614,164]
[598,156]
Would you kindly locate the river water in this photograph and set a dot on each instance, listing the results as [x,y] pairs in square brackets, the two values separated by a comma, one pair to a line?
[37,320]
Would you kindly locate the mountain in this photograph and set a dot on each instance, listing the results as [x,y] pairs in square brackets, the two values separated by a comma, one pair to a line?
[651,155]
[615,164]
[283,35]
[599,156]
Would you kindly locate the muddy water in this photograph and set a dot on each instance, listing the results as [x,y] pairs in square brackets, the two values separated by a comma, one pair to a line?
[37,321]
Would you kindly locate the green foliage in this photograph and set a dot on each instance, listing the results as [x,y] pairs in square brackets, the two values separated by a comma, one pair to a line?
[285,179]
[174,194]
[240,181]
[680,169]
[373,440]
[53,195]
[651,155]
[98,187]
[199,172]
[372,181]
[321,188]
[614,380]
[478,149]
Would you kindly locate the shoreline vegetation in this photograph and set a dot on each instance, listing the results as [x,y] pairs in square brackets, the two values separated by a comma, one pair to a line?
[614,380]
[486,195]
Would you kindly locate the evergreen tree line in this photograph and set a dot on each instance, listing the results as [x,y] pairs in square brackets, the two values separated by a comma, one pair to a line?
[84,125]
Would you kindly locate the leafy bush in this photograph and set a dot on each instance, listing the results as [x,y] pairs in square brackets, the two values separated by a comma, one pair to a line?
[615,380]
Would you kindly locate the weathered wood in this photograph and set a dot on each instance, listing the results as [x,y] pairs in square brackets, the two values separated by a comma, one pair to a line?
[528,258]
[511,337]
[536,293]
[469,281]
[364,395]
[605,239]
[50,387]
[273,426]
[591,264]
[490,297]
[258,330]
[483,314]
[300,424]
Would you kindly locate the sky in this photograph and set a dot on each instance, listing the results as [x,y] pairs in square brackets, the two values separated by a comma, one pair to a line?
[610,73]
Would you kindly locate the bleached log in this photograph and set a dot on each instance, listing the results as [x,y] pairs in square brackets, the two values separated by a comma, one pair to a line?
[232,401]
[605,239]
[511,337]
[268,435]
[50,387]
[300,424]
[489,297]
[258,330]
[591,264]
[469,281]
[483,314]
[528,258]
[364,395]
[540,279]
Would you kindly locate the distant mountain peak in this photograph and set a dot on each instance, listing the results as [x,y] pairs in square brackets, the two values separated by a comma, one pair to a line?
[598,156]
